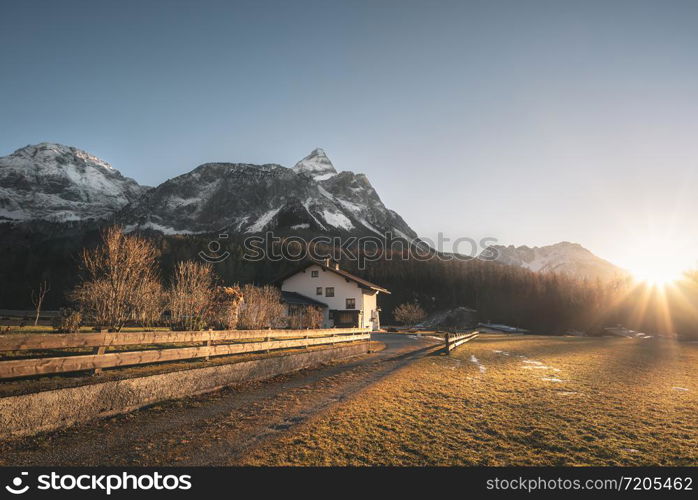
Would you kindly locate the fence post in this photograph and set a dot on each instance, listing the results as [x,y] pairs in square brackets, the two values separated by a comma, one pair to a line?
[447,338]
[99,350]
[208,345]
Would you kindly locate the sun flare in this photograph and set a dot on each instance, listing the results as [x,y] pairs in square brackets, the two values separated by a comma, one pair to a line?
[658,275]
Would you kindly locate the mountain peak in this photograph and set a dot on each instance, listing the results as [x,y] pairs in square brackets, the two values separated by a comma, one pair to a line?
[567,258]
[317,165]
[55,182]
[48,152]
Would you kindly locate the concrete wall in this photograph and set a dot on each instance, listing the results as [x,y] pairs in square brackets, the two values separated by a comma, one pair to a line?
[32,413]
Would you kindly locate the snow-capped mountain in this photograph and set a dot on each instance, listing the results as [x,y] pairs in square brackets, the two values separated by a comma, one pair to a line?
[565,258]
[317,165]
[240,198]
[59,183]
[53,182]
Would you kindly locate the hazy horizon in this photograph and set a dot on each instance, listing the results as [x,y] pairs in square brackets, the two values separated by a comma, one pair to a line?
[532,123]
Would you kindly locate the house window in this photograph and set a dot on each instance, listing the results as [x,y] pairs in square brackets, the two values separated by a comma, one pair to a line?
[318,291]
[314,274]
[329,291]
[351,303]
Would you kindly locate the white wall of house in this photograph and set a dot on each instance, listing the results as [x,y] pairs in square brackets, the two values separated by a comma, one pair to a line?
[306,284]
[370,307]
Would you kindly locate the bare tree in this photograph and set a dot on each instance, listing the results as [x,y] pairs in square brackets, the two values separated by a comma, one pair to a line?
[305,317]
[151,304]
[225,307]
[409,313]
[117,275]
[191,295]
[38,299]
[262,308]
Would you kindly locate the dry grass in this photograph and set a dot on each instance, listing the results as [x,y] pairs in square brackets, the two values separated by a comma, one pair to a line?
[616,404]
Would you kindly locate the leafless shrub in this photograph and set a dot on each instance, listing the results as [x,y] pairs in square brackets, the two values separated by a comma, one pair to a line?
[151,304]
[191,295]
[117,273]
[225,307]
[262,308]
[67,321]
[305,317]
[409,313]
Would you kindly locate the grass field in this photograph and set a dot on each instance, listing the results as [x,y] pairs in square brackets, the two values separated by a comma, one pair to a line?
[515,400]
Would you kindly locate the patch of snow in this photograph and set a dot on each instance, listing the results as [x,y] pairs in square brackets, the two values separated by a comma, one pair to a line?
[370,227]
[352,207]
[402,235]
[324,192]
[306,205]
[679,389]
[305,225]
[156,227]
[552,379]
[337,219]
[480,366]
[324,177]
[263,220]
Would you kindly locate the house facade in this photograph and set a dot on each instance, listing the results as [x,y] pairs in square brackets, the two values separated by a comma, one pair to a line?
[350,301]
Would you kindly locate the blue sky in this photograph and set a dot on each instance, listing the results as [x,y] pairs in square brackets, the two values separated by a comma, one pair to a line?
[529,121]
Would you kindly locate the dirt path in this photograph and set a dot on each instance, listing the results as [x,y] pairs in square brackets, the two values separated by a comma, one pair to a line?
[215,429]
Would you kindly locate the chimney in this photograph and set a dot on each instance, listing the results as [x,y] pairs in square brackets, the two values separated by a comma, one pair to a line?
[330,263]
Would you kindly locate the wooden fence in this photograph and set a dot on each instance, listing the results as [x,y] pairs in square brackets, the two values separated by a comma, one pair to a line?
[453,340]
[211,343]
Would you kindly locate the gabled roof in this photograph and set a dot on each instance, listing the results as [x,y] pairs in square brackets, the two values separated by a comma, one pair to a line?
[297,298]
[359,281]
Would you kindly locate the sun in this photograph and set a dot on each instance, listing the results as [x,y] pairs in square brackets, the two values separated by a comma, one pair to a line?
[657,274]
[657,261]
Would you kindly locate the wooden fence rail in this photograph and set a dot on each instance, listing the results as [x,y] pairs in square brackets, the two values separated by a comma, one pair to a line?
[285,339]
[453,340]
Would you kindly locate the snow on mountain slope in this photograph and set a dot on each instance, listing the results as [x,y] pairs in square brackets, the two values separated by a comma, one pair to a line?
[53,182]
[308,199]
[566,258]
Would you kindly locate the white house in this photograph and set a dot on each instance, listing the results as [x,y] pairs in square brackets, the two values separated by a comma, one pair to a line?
[349,300]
